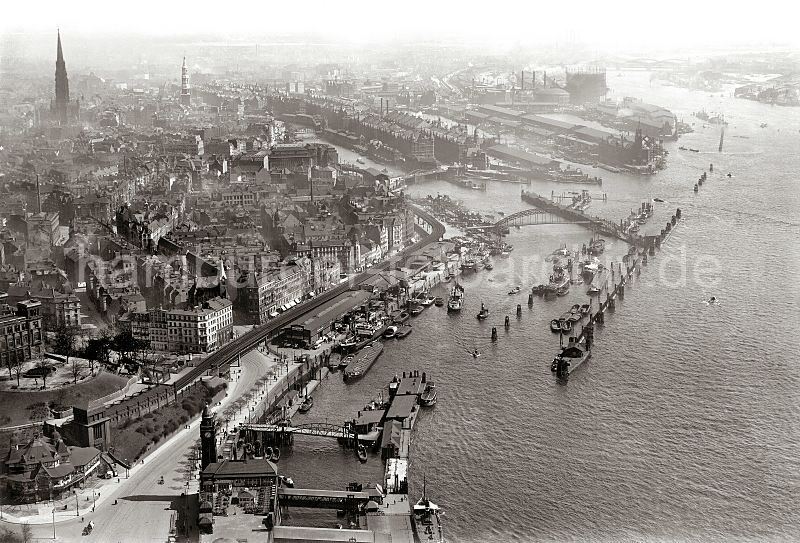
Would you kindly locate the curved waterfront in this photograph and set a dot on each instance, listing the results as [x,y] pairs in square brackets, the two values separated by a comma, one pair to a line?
[685,422]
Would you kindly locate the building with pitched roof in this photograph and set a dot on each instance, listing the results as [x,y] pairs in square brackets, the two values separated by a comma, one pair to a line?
[45,468]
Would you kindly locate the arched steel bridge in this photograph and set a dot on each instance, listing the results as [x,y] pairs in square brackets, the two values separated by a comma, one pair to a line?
[533,216]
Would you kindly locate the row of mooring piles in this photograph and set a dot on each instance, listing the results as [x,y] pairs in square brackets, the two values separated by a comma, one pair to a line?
[507,321]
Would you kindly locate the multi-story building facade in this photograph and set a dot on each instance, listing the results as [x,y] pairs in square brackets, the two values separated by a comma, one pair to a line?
[262,296]
[20,332]
[200,329]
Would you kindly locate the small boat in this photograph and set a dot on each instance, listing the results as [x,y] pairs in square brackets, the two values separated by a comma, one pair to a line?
[658,200]
[489,266]
[562,291]
[585,308]
[682,148]
[538,290]
[483,313]
[446,278]
[694,150]
[362,453]
[288,482]
[555,326]
[361,160]
[276,454]
[428,301]
[268,453]
[401,317]
[343,363]
[566,325]
[416,310]
[403,331]
[307,404]
[515,290]
[576,308]
[695,187]
[438,301]
[594,289]
[390,332]
[428,396]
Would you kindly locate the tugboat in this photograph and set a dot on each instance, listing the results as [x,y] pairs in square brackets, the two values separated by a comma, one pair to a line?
[483,313]
[427,524]
[307,404]
[428,396]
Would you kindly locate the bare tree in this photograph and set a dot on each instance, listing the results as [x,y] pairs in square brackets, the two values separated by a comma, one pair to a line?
[16,364]
[27,533]
[76,368]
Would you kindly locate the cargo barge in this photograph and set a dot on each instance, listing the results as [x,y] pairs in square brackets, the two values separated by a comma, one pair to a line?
[363,361]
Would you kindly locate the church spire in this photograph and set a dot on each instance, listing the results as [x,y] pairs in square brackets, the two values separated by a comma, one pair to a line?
[62,83]
[186,97]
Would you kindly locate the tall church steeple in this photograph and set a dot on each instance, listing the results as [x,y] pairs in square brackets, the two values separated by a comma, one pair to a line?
[62,84]
[186,97]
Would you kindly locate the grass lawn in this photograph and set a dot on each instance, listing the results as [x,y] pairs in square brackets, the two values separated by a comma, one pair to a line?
[131,439]
[23,407]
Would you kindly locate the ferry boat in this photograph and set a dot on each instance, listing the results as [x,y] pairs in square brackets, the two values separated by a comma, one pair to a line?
[428,396]
[570,357]
[456,298]
[363,361]
[427,524]
[483,313]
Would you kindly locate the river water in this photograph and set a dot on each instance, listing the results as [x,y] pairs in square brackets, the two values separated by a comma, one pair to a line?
[685,423]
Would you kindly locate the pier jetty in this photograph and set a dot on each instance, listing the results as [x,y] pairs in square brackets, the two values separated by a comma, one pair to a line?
[578,349]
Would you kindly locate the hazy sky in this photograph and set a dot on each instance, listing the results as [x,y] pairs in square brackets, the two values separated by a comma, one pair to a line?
[660,23]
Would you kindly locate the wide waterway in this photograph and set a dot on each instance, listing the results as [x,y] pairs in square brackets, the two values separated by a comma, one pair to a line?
[685,423]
